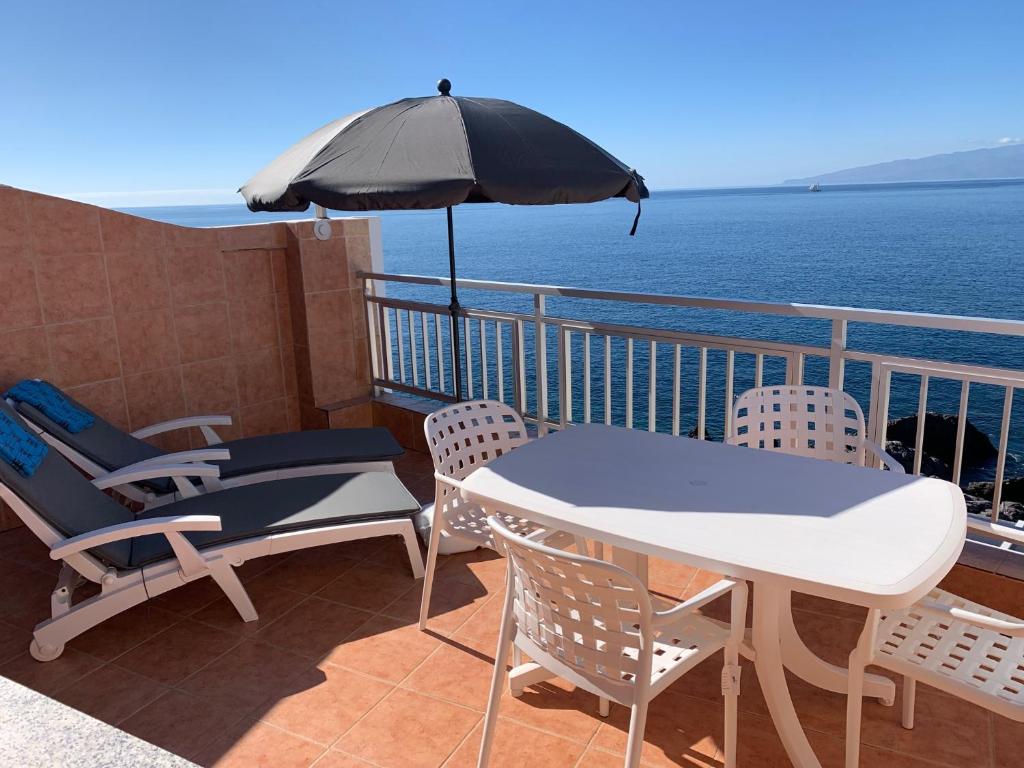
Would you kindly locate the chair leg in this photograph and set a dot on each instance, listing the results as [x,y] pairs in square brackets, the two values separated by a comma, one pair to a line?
[412,546]
[637,725]
[228,581]
[428,579]
[581,546]
[604,706]
[497,679]
[909,696]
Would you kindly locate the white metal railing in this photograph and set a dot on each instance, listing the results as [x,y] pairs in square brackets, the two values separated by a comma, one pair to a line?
[596,363]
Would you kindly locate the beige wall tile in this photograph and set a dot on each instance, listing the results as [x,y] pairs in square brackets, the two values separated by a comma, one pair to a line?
[72,285]
[24,354]
[138,279]
[196,275]
[123,232]
[248,273]
[14,230]
[210,386]
[62,226]
[83,351]
[204,332]
[105,398]
[259,376]
[147,341]
[264,418]
[19,307]
[154,396]
[254,323]
[324,265]
[248,236]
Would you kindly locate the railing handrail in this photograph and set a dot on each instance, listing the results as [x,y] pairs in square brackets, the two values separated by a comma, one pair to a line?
[1002,326]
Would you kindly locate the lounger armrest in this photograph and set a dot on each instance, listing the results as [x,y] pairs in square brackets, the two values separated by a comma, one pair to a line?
[186,422]
[879,453]
[179,473]
[715,591]
[1000,531]
[941,612]
[181,457]
[133,529]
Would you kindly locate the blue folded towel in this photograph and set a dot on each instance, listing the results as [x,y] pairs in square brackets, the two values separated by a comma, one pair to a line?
[19,448]
[51,401]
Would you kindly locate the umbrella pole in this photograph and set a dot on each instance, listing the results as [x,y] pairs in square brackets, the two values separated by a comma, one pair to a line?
[455,310]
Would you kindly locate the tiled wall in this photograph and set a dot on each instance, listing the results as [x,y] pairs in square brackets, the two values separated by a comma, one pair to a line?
[144,321]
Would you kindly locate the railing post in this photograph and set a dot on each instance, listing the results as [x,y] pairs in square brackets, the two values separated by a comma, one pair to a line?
[563,378]
[519,366]
[878,411]
[836,357]
[541,342]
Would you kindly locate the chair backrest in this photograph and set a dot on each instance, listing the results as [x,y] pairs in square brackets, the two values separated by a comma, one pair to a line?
[59,496]
[801,420]
[463,437]
[591,617]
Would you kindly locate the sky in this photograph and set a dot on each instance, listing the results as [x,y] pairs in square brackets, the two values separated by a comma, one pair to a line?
[160,103]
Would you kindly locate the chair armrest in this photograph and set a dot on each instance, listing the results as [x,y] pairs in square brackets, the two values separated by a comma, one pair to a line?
[891,464]
[133,529]
[180,473]
[186,422]
[1004,532]
[944,613]
[716,590]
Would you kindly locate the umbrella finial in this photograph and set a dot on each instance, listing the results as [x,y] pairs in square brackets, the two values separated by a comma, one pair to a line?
[444,86]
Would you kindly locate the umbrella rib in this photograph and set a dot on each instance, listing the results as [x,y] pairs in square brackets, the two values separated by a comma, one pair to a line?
[465,135]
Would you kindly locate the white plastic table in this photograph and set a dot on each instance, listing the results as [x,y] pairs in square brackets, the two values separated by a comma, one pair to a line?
[787,524]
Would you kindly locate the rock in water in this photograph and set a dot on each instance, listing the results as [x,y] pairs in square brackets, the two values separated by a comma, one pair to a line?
[940,438]
[1013,489]
[930,466]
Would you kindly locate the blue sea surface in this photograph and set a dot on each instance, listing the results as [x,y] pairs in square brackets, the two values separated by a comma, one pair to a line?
[942,247]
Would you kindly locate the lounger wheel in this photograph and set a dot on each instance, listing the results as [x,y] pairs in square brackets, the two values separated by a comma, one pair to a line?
[44,652]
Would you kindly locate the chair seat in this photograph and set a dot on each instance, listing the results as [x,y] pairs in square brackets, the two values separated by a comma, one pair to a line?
[470,522]
[981,665]
[678,648]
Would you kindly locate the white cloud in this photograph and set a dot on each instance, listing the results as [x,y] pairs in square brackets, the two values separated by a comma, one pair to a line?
[1009,140]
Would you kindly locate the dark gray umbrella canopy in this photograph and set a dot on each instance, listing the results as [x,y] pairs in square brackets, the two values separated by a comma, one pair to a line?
[437,152]
[440,151]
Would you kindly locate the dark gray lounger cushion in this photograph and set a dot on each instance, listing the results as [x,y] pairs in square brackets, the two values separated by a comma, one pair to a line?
[309,448]
[113,448]
[284,505]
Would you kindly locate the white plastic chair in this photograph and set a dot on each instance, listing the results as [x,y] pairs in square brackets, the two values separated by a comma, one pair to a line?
[818,422]
[948,642]
[592,623]
[462,438]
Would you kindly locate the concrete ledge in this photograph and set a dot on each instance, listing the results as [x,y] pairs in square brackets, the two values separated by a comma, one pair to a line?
[39,732]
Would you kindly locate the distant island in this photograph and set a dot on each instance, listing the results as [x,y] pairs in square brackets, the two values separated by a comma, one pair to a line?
[995,163]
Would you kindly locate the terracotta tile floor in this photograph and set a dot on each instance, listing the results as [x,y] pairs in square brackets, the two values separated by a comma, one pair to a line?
[335,673]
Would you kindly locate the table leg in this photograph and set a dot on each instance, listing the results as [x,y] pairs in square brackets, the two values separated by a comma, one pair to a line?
[805,664]
[769,605]
[632,561]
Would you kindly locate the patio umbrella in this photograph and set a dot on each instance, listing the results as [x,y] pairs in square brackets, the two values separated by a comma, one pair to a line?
[437,152]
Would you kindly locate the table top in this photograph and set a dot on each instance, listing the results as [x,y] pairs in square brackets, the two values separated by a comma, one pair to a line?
[860,535]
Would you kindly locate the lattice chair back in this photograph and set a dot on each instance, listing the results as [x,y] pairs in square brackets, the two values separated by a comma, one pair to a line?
[462,438]
[580,617]
[818,422]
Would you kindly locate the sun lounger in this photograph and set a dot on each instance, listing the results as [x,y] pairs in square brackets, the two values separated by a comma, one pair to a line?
[134,558]
[103,448]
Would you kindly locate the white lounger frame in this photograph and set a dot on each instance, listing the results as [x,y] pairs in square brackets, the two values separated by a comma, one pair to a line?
[124,589]
[204,424]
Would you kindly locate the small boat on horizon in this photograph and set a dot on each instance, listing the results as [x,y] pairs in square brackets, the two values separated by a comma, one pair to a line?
[815,187]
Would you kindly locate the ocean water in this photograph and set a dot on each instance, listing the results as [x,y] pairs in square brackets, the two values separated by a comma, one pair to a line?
[951,248]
